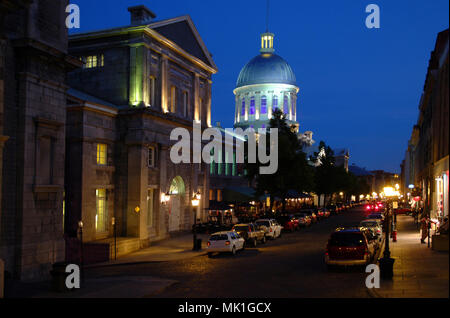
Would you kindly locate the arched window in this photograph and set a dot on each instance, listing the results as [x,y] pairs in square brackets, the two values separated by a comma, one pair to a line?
[286,105]
[275,103]
[263,105]
[252,105]
[243,108]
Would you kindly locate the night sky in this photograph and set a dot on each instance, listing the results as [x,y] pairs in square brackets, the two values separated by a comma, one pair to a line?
[359,88]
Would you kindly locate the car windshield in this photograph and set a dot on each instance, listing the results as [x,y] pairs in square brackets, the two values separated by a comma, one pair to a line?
[264,223]
[369,224]
[347,239]
[242,228]
[219,237]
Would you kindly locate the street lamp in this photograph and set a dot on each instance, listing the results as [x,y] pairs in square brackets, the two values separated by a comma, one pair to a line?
[387,263]
[113,222]
[195,203]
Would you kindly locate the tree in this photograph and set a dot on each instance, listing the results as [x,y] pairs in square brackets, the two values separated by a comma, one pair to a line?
[325,177]
[294,172]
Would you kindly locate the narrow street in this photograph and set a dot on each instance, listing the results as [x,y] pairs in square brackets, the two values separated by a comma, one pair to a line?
[291,266]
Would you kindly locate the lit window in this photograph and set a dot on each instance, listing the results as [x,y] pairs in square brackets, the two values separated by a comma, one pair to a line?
[91,61]
[286,105]
[263,105]
[211,194]
[102,60]
[243,108]
[102,151]
[173,92]
[219,195]
[252,105]
[151,157]
[101,216]
[152,91]
[212,165]
[220,164]
[275,103]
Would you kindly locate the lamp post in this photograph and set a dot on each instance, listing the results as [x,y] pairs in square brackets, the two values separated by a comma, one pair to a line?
[387,263]
[113,221]
[80,228]
[195,203]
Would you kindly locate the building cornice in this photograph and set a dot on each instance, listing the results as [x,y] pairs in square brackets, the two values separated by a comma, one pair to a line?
[151,33]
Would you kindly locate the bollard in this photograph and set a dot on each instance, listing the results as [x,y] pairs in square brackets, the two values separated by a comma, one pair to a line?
[394,236]
[2,279]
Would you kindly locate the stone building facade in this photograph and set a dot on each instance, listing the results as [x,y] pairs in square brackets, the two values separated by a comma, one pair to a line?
[427,157]
[138,83]
[34,63]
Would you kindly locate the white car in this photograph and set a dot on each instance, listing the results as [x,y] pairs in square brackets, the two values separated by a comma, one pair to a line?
[273,228]
[374,225]
[227,241]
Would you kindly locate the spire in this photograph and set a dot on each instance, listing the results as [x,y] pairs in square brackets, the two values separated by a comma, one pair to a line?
[267,37]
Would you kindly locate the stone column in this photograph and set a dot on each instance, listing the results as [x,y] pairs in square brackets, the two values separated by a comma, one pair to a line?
[164,187]
[136,75]
[197,110]
[164,83]
[137,192]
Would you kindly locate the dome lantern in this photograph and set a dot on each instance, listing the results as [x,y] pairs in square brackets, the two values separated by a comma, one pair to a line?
[267,43]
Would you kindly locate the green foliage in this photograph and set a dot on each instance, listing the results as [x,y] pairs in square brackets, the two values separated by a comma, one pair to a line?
[294,172]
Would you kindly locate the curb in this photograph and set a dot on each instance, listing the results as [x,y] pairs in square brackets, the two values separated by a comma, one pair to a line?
[137,262]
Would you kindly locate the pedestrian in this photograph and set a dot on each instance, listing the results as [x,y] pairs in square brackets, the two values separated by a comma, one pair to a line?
[424,228]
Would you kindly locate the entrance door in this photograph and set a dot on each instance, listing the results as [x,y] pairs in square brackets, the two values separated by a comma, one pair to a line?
[177,192]
[174,217]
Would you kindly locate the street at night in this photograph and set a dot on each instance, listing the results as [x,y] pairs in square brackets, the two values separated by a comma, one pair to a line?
[216,157]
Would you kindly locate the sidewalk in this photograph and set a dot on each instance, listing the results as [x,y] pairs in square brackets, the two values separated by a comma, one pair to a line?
[172,249]
[419,271]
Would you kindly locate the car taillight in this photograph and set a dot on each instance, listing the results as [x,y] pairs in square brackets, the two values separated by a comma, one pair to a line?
[249,229]
[209,243]
[367,207]
[227,243]
[270,230]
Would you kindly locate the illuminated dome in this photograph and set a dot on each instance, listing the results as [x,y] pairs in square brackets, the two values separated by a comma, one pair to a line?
[266,68]
[265,84]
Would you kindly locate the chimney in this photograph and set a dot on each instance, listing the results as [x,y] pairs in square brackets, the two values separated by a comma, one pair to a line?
[141,15]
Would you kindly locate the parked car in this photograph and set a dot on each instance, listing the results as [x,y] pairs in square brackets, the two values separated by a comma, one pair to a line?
[227,241]
[273,230]
[323,213]
[374,225]
[333,209]
[377,216]
[348,247]
[310,212]
[278,227]
[251,233]
[289,223]
[303,219]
